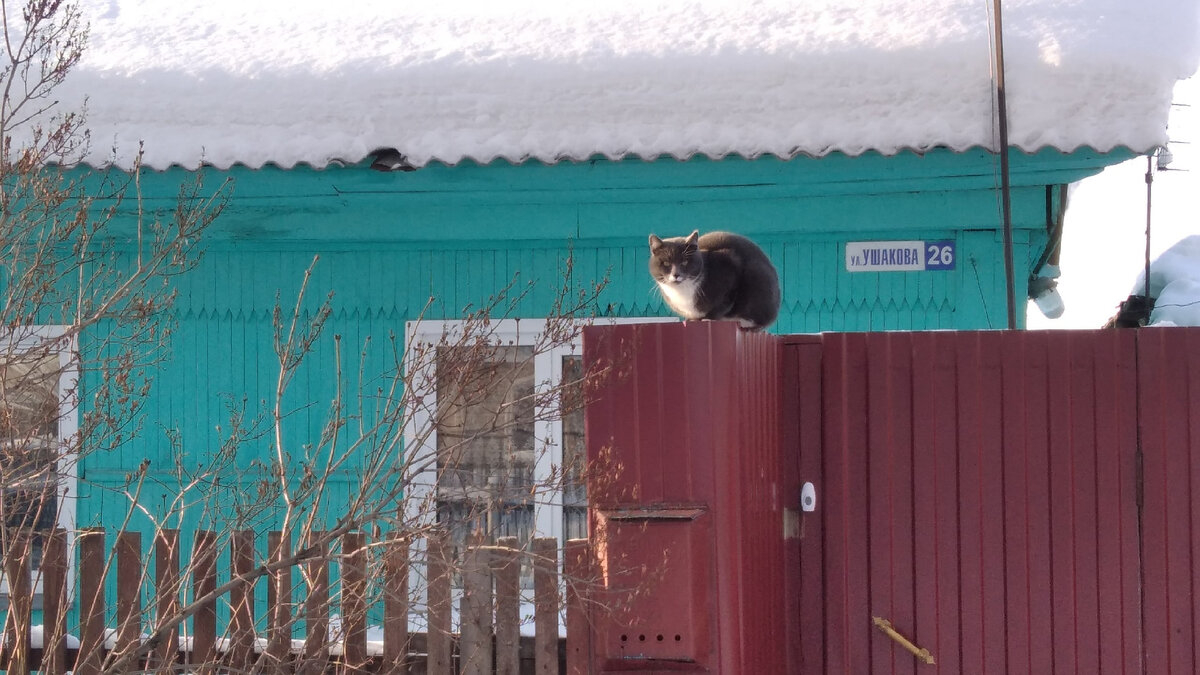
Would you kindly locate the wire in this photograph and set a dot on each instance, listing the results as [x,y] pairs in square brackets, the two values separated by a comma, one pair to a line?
[1177,304]
[1054,226]
[983,298]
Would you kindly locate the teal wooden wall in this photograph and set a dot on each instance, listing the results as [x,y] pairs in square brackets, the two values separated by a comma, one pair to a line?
[389,242]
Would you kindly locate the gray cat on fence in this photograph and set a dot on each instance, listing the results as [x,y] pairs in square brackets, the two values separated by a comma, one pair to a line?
[718,276]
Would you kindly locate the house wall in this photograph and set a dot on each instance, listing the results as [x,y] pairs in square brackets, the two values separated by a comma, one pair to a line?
[397,246]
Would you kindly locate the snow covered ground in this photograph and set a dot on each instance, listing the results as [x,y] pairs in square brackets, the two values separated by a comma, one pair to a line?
[228,81]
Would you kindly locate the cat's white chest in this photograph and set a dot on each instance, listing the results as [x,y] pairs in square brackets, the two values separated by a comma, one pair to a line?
[682,297]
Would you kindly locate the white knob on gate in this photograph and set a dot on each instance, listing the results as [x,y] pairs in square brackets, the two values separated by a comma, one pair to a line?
[808,498]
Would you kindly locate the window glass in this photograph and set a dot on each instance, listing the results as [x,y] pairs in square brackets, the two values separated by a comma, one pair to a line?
[485,444]
[509,461]
[29,416]
[574,454]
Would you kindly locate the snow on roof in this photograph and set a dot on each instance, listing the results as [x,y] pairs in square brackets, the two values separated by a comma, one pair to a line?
[224,82]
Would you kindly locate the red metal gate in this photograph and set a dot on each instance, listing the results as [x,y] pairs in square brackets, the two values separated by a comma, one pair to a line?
[981,491]
[687,517]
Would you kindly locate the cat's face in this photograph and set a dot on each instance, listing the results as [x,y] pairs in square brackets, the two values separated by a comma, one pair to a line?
[676,260]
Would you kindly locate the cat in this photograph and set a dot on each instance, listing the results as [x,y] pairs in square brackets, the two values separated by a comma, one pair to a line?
[718,276]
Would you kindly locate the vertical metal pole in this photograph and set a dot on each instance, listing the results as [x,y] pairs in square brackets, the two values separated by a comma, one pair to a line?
[1149,183]
[1005,188]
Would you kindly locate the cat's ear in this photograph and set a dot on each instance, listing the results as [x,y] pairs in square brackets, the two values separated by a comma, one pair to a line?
[694,237]
[655,242]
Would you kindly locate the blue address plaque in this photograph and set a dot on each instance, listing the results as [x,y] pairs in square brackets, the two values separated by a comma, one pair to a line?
[901,256]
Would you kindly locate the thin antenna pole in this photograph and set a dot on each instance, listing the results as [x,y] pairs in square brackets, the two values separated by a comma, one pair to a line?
[1149,183]
[1005,187]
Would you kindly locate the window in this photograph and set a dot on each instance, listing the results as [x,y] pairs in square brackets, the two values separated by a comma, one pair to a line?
[574,453]
[506,462]
[485,443]
[37,420]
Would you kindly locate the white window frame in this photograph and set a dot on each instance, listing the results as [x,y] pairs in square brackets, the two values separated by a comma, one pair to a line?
[420,494]
[422,485]
[68,425]
[547,366]
[549,435]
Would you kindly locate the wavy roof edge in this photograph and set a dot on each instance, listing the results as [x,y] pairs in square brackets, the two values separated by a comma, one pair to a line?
[481,161]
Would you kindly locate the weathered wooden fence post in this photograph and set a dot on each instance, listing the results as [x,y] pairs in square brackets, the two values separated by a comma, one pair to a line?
[507,571]
[395,608]
[316,606]
[475,610]
[129,593]
[545,605]
[577,569]
[204,582]
[166,590]
[16,635]
[91,601]
[354,603]
[279,604]
[437,634]
[54,602]
[241,601]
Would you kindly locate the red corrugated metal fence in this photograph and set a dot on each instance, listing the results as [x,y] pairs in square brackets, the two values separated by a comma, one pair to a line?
[1168,374]
[1011,502]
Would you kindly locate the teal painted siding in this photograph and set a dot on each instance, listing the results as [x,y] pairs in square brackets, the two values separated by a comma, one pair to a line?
[443,240]
[446,239]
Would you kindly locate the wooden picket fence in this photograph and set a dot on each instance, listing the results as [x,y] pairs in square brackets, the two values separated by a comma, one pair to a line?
[489,640]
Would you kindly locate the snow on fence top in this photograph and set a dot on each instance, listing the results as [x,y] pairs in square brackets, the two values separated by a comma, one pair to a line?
[224,81]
